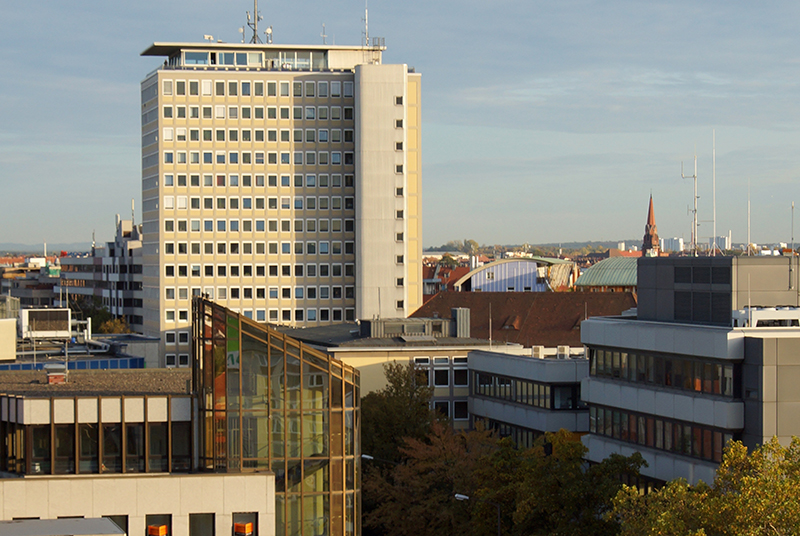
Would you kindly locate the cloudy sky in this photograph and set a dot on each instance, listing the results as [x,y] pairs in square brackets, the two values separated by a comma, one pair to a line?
[542,121]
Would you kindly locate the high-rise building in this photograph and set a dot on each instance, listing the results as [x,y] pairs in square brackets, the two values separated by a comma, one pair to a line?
[282,182]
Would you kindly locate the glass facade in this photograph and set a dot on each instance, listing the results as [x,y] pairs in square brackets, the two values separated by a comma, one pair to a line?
[268,402]
[700,375]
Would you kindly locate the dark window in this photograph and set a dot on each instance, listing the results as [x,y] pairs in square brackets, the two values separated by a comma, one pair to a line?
[683,306]
[701,274]
[683,274]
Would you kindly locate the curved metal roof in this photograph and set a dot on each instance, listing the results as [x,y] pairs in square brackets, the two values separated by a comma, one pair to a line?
[611,272]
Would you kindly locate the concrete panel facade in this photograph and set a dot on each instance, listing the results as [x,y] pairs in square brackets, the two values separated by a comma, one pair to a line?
[137,496]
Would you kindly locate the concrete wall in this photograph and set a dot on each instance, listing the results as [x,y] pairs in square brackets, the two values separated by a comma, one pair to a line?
[771,375]
[681,339]
[380,171]
[661,465]
[140,495]
[8,339]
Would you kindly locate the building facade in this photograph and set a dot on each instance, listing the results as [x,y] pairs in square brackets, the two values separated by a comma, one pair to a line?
[281,181]
[270,403]
[112,274]
[523,397]
[711,356]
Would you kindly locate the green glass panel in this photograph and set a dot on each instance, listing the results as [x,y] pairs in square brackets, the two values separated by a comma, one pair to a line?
[280,513]
[276,363]
[315,391]
[316,515]
[294,522]
[279,468]
[315,475]
[315,434]
[277,439]
[294,475]
[220,376]
[255,438]
[293,426]
[293,382]
[255,373]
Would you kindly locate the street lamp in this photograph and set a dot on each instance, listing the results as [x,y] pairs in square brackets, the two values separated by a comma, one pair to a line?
[462,497]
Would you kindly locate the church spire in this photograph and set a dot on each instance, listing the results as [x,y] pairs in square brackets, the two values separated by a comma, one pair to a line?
[650,244]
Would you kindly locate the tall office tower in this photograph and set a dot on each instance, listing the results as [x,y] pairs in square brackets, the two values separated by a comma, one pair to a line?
[281,181]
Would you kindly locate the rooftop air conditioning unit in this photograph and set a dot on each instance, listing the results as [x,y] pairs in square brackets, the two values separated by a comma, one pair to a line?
[563,352]
[537,352]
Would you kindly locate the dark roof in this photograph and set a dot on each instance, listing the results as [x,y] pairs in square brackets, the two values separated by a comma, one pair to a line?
[98,383]
[342,336]
[529,318]
[331,335]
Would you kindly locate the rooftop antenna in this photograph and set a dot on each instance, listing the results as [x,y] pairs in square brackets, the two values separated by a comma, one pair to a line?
[714,188]
[268,35]
[748,218]
[133,213]
[366,24]
[791,259]
[694,211]
[323,35]
[253,23]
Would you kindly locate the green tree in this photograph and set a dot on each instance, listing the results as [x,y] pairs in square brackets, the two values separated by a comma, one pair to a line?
[755,493]
[90,307]
[401,410]
[549,490]
[448,261]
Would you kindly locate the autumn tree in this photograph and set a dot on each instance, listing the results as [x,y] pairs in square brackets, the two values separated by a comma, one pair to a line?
[755,493]
[417,497]
[448,261]
[114,325]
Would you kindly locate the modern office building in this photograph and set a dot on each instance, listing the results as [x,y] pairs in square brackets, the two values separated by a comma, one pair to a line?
[712,355]
[263,430]
[523,397]
[281,181]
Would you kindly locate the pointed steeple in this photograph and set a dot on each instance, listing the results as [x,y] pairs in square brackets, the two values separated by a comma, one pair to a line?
[650,243]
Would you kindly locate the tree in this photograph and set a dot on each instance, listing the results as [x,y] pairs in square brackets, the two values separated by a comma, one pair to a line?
[417,498]
[546,490]
[114,325]
[448,262]
[90,307]
[752,494]
[401,410]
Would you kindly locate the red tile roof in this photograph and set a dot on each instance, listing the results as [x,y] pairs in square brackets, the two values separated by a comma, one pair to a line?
[529,318]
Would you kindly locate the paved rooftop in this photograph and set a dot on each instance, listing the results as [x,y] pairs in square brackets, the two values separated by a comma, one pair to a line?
[98,382]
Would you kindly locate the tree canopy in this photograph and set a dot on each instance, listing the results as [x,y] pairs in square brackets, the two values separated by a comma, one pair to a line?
[546,490]
[752,494]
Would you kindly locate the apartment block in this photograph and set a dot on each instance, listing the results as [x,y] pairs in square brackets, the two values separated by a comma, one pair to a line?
[280,181]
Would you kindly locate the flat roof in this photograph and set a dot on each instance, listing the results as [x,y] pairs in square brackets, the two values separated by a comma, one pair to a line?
[60,527]
[97,383]
[168,49]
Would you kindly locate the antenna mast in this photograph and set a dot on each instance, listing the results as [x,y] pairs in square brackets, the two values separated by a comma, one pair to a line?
[253,23]
[748,217]
[714,188]
[694,211]
[366,23]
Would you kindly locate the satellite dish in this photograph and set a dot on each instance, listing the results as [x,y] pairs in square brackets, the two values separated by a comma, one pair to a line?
[268,31]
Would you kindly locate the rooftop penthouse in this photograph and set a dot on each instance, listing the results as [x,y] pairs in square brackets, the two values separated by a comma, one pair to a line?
[242,56]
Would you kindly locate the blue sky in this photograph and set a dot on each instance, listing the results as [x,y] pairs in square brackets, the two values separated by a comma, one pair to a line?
[542,121]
